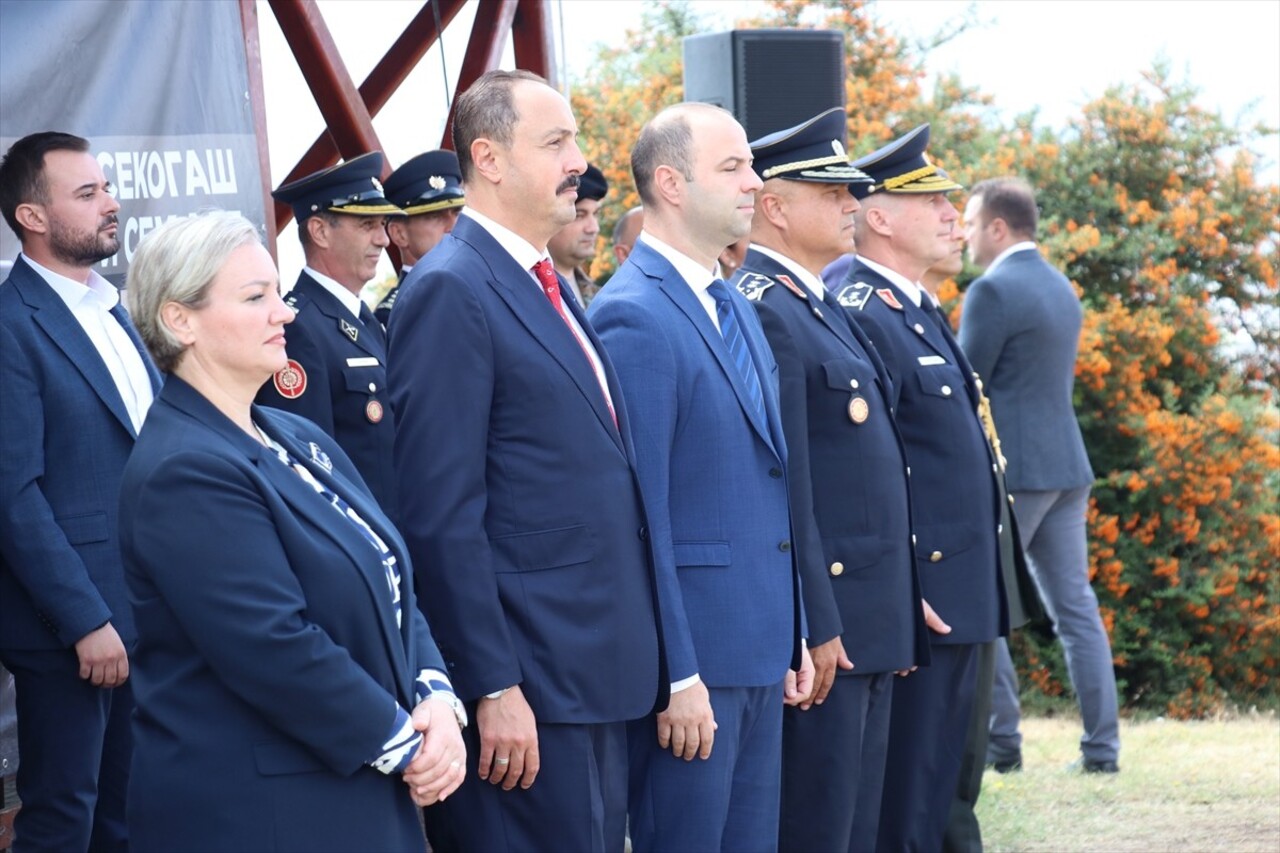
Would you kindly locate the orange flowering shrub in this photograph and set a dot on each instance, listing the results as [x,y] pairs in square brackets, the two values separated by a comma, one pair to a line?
[1152,207]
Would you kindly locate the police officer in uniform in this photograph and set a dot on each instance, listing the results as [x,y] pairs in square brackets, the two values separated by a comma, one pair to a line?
[337,370]
[848,480]
[575,244]
[428,188]
[904,227]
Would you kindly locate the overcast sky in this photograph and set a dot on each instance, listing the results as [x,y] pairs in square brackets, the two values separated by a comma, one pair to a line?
[1054,55]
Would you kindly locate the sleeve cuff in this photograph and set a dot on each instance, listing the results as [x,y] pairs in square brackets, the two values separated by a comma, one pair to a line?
[685,683]
[398,750]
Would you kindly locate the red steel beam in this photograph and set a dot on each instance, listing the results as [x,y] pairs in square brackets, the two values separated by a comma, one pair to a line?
[400,60]
[531,39]
[346,118]
[484,51]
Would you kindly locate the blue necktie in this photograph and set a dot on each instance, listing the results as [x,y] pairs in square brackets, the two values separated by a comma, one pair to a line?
[731,331]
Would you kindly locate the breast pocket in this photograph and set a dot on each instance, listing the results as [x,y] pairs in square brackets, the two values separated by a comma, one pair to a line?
[368,380]
[943,381]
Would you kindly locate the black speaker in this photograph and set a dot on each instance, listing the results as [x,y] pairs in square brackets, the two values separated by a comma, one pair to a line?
[769,79]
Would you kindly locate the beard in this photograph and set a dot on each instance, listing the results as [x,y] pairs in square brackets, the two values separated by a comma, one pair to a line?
[80,248]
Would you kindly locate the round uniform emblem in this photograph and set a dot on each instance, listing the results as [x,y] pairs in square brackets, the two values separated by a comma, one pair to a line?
[290,380]
[373,411]
[858,409]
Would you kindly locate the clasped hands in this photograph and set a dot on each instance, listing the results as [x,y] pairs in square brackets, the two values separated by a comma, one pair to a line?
[440,764]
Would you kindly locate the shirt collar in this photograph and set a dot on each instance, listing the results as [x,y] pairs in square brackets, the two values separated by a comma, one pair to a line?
[1016,247]
[524,252]
[811,281]
[913,291]
[349,300]
[96,290]
[694,274]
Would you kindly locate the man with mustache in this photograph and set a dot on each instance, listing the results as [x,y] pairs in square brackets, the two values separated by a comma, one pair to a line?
[337,370]
[518,494]
[75,386]
[702,386]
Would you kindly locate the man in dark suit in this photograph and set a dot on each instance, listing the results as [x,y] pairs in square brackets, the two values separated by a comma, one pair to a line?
[75,385]
[575,244]
[337,370]
[428,188]
[1020,330]
[850,504]
[904,227]
[701,384]
[519,499]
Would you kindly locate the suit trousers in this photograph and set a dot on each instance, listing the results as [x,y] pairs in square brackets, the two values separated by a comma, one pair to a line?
[964,833]
[833,758]
[927,732]
[577,802]
[727,802]
[1052,525]
[74,747]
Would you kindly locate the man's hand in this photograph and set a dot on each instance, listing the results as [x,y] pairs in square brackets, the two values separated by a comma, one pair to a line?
[103,660]
[688,726]
[826,657]
[441,763]
[508,740]
[798,685]
[933,620]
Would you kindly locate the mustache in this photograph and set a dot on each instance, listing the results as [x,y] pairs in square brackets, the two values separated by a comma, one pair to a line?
[570,183]
[113,219]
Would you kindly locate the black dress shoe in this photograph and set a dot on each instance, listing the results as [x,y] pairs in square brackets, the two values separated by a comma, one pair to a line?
[1005,764]
[1096,765]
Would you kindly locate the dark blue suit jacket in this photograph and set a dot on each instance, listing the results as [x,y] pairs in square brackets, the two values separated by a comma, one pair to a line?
[517,492]
[269,662]
[64,437]
[712,476]
[341,396]
[954,494]
[847,470]
[1020,330]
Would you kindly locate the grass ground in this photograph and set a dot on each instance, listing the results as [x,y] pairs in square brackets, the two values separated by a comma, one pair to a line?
[1183,786]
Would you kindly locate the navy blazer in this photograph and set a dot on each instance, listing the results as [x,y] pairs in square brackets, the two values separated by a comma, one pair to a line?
[712,475]
[1021,329]
[954,494]
[346,384]
[847,471]
[64,437]
[269,662]
[518,495]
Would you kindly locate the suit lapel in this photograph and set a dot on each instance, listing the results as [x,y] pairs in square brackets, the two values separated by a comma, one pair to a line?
[343,322]
[299,494]
[53,315]
[516,287]
[678,291]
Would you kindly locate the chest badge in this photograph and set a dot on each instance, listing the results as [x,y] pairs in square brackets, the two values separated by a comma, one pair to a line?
[858,409]
[290,380]
[373,411]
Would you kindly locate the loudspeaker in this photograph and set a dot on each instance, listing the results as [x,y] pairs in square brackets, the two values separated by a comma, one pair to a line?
[769,79]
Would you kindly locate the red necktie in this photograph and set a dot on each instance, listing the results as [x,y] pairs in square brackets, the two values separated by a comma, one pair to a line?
[546,276]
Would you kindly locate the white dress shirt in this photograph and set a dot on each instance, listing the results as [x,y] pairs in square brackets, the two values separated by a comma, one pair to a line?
[91,305]
[694,274]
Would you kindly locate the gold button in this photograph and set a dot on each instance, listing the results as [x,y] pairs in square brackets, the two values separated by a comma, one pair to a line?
[935,556]
[837,569]
[1010,500]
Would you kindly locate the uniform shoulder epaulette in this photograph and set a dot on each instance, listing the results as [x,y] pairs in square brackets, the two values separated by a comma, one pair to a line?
[388,301]
[855,296]
[753,285]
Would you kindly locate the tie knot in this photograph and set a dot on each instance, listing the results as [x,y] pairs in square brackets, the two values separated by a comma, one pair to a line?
[546,274]
[719,291]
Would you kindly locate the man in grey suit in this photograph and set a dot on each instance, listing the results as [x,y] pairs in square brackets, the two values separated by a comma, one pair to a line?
[1020,330]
